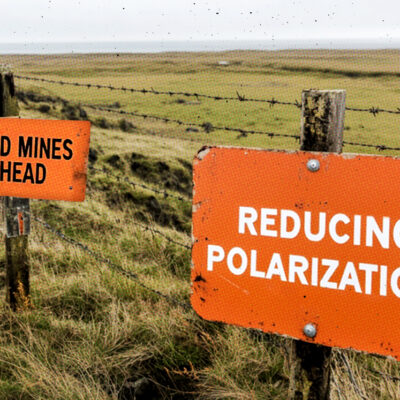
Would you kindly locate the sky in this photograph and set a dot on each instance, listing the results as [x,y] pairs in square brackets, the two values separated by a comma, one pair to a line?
[128,20]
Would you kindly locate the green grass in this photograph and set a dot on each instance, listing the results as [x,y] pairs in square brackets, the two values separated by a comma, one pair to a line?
[94,334]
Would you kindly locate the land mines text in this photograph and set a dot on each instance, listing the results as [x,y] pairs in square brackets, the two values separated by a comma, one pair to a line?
[31,147]
[277,246]
[43,159]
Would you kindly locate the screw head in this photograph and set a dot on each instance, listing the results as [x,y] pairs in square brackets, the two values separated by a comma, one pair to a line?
[310,330]
[313,165]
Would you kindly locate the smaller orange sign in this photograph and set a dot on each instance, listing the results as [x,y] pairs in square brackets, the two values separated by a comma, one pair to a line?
[300,244]
[43,159]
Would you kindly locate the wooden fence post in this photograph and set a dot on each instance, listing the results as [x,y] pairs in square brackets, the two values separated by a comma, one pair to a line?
[322,126]
[16,215]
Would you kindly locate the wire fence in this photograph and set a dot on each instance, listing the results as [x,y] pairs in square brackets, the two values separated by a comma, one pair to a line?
[379,147]
[239,97]
[115,267]
[208,127]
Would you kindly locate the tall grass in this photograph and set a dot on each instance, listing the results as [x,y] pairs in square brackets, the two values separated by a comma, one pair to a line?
[94,334]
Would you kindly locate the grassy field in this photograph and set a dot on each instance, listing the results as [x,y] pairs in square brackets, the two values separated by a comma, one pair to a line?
[94,334]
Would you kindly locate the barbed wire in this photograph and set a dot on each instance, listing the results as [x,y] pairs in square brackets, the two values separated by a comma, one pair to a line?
[114,266]
[164,193]
[207,126]
[374,110]
[351,376]
[239,97]
[157,232]
[380,147]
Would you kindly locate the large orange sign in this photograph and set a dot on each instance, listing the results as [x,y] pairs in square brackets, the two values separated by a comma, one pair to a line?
[299,244]
[43,159]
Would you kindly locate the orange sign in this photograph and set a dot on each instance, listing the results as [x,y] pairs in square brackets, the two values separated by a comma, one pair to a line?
[300,244]
[43,159]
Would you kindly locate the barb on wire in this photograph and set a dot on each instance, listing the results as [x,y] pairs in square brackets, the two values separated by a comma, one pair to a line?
[208,127]
[239,97]
[114,266]
[164,193]
[379,147]
[374,110]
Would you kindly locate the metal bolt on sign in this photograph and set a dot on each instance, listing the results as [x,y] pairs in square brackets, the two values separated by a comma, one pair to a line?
[313,165]
[310,330]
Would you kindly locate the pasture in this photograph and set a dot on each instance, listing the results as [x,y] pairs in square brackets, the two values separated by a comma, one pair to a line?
[93,333]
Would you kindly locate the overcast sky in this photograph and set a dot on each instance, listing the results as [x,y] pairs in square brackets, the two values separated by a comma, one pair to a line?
[123,20]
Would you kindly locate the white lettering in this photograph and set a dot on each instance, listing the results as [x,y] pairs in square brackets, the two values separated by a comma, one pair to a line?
[332,228]
[247,216]
[297,266]
[332,265]
[357,230]
[383,283]
[394,282]
[314,271]
[253,266]
[396,233]
[229,260]
[369,269]
[214,254]
[350,278]
[321,230]
[276,268]
[265,222]
[285,214]
[373,229]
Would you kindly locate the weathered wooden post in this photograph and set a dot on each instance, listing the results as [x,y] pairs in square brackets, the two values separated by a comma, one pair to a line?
[322,126]
[16,215]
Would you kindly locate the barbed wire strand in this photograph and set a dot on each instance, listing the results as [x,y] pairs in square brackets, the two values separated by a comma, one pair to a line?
[374,110]
[380,147]
[114,266]
[164,193]
[239,97]
[351,376]
[157,232]
[208,127]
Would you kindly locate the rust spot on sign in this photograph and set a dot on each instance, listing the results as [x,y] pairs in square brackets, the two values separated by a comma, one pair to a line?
[199,278]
